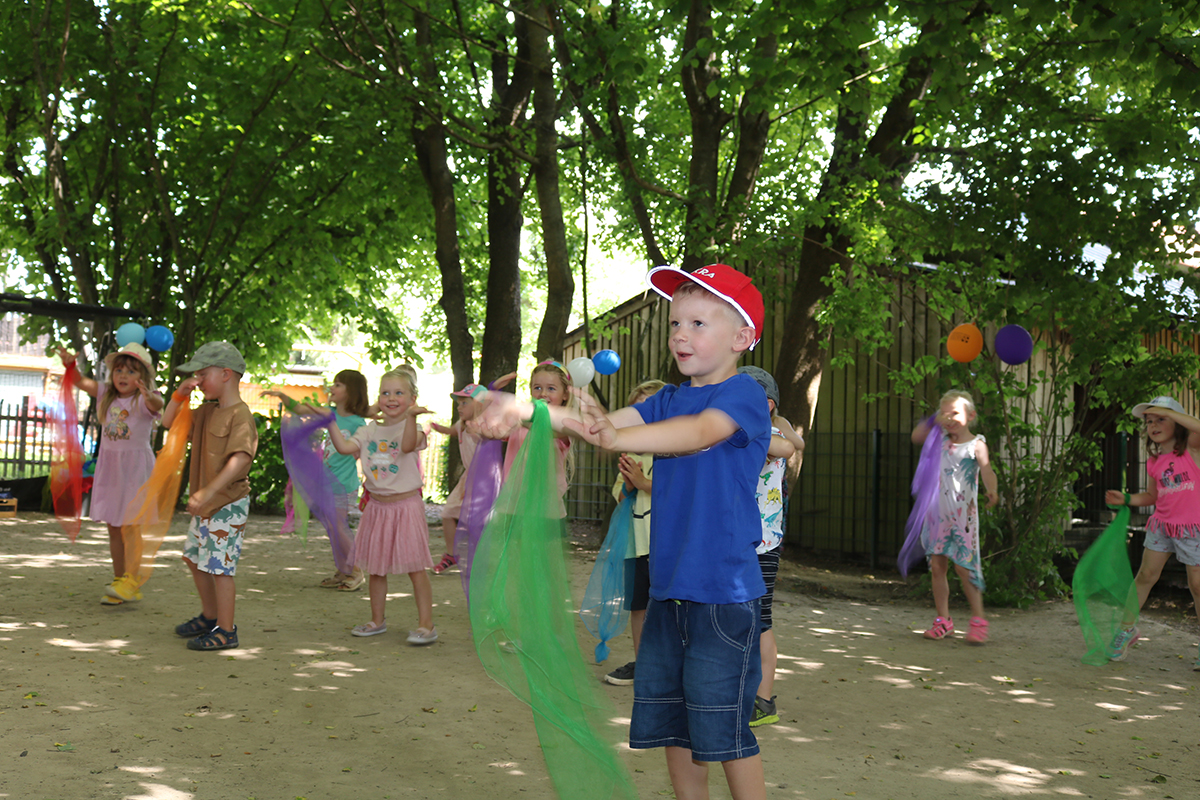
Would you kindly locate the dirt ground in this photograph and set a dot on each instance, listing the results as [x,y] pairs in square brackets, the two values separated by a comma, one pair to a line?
[106,702]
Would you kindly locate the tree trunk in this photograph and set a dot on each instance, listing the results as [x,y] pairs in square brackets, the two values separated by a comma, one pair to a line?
[708,119]
[505,185]
[429,137]
[560,286]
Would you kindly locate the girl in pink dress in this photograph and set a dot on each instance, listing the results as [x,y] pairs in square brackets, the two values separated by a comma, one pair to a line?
[129,409]
[393,536]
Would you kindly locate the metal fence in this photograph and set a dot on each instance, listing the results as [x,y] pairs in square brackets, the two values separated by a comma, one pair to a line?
[27,439]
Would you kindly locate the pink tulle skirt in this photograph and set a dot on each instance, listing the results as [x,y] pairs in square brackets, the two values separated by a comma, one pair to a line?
[393,538]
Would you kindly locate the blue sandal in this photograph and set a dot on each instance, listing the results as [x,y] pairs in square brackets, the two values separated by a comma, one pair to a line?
[195,626]
[216,639]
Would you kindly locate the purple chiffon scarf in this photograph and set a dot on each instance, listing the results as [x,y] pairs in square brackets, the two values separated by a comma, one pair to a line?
[925,492]
[313,480]
[483,478]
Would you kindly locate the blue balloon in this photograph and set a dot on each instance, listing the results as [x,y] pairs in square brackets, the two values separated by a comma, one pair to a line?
[1014,345]
[130,333]
[159,338]
[607,362]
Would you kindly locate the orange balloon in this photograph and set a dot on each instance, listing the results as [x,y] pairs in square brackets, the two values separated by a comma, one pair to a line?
[964,343]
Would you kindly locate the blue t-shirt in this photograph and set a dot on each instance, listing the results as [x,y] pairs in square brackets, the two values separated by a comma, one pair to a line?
[705,524]
[344,468]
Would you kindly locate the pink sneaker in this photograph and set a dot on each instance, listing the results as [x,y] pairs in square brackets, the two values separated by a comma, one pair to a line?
[942,627]
[978,633]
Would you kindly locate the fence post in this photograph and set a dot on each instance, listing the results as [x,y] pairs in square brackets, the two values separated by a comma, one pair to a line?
[22,432]
[876,463]
[1123,441]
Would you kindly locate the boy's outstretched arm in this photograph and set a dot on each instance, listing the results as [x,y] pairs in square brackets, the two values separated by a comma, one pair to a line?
[625,430]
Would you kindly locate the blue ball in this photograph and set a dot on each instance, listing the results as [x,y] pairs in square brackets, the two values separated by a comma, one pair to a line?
[130,333]
[159,338]
[607,362]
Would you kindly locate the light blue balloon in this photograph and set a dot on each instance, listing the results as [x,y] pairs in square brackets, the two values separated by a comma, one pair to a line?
[130,333]
[159,338]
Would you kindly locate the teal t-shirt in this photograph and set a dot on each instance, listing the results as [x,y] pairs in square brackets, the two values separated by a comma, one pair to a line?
[345,468]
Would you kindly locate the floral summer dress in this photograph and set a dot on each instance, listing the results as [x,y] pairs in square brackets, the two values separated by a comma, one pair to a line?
[955,533]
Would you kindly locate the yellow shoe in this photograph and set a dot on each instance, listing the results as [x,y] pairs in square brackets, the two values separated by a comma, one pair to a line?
[124,588]
[105,600]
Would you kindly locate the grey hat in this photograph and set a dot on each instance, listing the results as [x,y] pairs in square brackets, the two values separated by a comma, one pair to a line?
[764,380]
[1162,401]
[215,354]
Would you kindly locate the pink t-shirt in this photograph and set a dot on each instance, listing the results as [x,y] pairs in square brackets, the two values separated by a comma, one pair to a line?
[388,470]
[1177,512]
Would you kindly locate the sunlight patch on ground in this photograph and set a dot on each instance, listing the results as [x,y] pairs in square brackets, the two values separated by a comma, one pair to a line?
[1112,707]
[158,791]
[1000,774]
[90,647]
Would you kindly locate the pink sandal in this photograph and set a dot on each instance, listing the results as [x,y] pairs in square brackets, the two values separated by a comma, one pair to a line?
[446,563]
[979,631]
[942,627]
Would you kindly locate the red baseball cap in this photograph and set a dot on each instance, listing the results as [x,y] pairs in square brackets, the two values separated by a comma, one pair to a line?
[722,280]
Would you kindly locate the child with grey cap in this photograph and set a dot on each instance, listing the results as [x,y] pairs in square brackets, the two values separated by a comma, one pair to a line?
[772,488]
[1173,446]
[224,440]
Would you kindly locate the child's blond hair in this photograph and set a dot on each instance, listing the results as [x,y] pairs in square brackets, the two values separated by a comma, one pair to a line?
[958,394]
[645,388]
[558,369]
[405,373]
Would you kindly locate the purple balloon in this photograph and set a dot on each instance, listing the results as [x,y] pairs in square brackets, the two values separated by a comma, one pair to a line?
[1014,345]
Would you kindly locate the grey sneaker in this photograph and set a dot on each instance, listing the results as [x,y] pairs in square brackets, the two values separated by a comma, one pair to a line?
[1122,642]
[422,636]
[764,712]
[621,676]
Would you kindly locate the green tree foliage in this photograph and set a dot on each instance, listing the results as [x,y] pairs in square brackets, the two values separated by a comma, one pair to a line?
[195,161]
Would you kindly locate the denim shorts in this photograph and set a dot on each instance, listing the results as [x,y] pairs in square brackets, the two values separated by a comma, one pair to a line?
[698,670]
[1186,549]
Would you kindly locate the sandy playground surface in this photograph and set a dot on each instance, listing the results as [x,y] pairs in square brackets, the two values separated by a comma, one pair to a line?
[106,702]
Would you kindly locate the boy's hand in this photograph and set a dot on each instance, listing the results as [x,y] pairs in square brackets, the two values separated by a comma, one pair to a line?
[596,428]
[631,471]
[188,386]
[197,500]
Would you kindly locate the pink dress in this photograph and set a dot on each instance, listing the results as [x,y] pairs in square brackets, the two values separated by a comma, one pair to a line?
[126,458]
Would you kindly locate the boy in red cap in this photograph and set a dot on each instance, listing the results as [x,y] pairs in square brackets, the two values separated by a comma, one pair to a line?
[698,664]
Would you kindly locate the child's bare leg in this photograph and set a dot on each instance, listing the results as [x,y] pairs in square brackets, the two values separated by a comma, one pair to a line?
[689,778]
[938,566]
[1193,575]
[423,594]
[1147,575]
[974,596]
[377,586]
[449,527]
[116,548]
[225,591]
[636,620]
[206,587]
[745,778]
[769,652]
